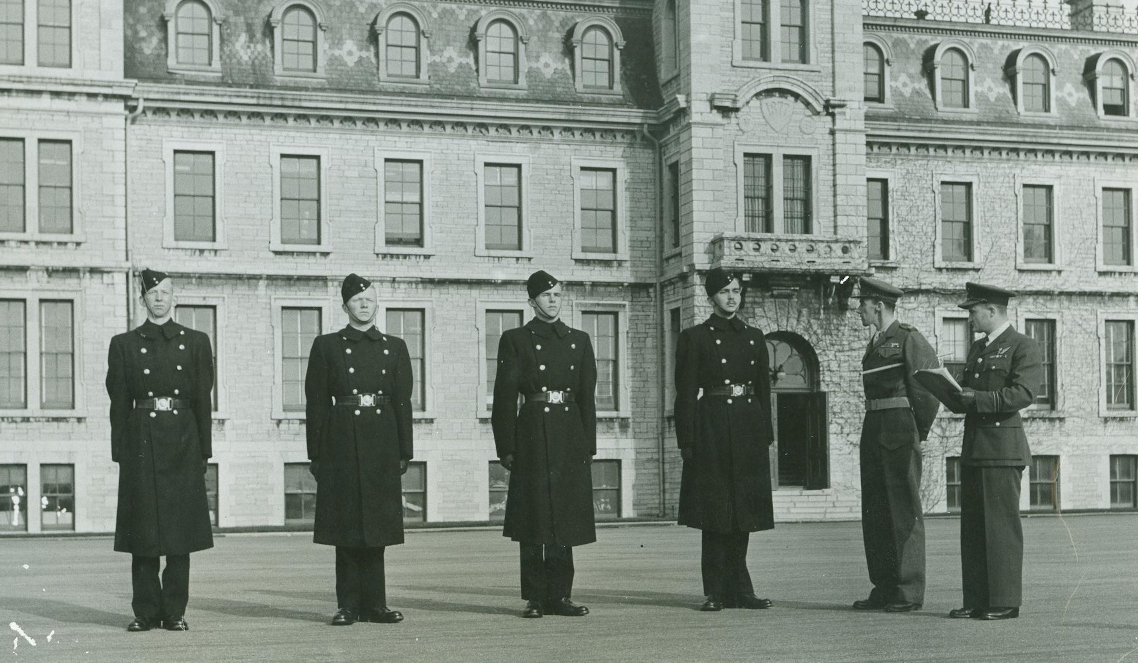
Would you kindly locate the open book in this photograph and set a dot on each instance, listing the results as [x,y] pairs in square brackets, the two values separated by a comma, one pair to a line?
[943,386]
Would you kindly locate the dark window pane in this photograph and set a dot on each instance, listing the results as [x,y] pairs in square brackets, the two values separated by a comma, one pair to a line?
[300,200]
[57,497]
[54,33]
[499,487]
[674,203]
[408,324]
[954,340]
[1044,483]
[211,492]
[754,20]
[13,498]
[194,34]
[403,202]
[300,494]
[793,17]
[956,221]
[1123,482]
[497,322]
[596,59]
[1036,85]
[598,210]
[796,196]
[1043,331]
[415,493]
[402,47]
[757,196]
[952,483]
[604,330]
[606,488]
[12,31]
[1116,227]
[299,326]
[57,362]
[12,182]
[13,355]
[194,197]
[874,73]
[953,79]
[203,319]
[503,207]
[1114,86]
[55,186]
[298,40]
[501,53]
[1038,226]
[877,219]
[1119,365]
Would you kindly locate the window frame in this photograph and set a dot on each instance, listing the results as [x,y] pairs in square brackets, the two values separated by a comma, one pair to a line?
[620,198]
[217,471]
[949,461]
[1056,484]
[33,371]
[940,179]
[1016,71]
[669,56]
[170,14]
[276,18]
[773,55]
[1100,250]
[886,51]
[934,70]
[277,304]
[426,492]
[428,308]
[1094,79]
[1057,257]
[672,218]
[24,501]
[482,307]
[888,177]
[276,245]
[624,390]
[523,162]
[523,37]
[490,463]
[777,156]
[620,483]
[30,65]
[1117,316]
[939,316]
[289,459]
[31,232]
[169,147]
[379,28]
[1057,408]
[74,496]
[1111,482]
[220,358]
[616,41]
[383,155]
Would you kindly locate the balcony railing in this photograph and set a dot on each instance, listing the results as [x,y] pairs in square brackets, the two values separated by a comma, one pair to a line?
[1089,15]
[796,254]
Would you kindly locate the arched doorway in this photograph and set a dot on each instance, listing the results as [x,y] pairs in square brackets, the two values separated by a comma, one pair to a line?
[800,453]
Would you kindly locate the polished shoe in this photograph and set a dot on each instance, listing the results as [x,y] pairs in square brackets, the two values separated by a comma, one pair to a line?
[142,624]
[175,624]
[869,604]
[993,614]
[566,608]
[902,606]
[533,610]
[964,613]
[752,602]
[382,615]
[344,617]
[712,604]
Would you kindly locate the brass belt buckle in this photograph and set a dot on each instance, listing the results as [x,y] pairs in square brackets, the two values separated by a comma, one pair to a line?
[367,400]
[164,404]
[738,390]
[555,397]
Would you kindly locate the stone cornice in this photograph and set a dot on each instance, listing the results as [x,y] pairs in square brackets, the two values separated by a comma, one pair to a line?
[623,7]
[1016,34]
[64,86]
[994,142]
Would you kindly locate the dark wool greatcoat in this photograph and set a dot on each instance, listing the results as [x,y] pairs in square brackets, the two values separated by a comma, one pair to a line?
[550,498]
[162,506]
[359,496]
[726,487]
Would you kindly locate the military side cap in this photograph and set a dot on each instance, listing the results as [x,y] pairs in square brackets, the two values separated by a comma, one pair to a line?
[718,279]
[539,282]
[353,285]
[871,288]
[979,293]
[151,278]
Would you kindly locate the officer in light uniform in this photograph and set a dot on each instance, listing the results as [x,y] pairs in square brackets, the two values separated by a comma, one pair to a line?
[899,414]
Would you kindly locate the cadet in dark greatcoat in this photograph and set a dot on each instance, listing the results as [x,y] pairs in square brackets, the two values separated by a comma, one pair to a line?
[898,415]
[547,445]
[358,389]
[724,437]
[1002,374]
[159,378]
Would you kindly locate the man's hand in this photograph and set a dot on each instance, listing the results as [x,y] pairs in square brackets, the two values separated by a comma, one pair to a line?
[205,465]
[507,462]
[403,465]
[686,453]
[314,469]
[968,397]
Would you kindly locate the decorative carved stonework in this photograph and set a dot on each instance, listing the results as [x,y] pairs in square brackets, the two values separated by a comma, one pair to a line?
[777,111]
[797,254]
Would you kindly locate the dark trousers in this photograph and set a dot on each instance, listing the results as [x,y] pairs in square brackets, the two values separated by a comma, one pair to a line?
[991,536]
[360,581]
[158,599]
[724,564]
[547,572]
[892,525]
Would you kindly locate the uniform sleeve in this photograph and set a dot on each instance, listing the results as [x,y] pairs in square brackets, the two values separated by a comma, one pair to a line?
[404,408]
[919,354]
[587,397]
[318,399]
[119,396]
[1024,378]
[687,390]
[504,417]
[764,388]
[202,399]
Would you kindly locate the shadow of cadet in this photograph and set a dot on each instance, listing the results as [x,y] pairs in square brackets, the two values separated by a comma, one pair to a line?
[68,613]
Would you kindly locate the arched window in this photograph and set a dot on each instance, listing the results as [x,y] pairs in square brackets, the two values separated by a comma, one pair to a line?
[501,53]
[874,73]
[193,34]
[1036,84]
[596,59]
[298,40]
[402,47]
[1114,88]
[954,79]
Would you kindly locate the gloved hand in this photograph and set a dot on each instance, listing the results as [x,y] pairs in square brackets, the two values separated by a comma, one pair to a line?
[686,453]
[314,469]
[507,462]
[403,465]
[968,398]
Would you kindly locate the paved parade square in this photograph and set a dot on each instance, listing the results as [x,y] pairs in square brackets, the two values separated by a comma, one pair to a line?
[268,597]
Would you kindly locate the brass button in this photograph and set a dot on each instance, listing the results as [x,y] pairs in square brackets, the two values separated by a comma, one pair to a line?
[384,371]
[146,371]
[179,367]
[543,388]
[718,342]
[175,412]
[355,391]
[752,342]
[181,347]
[357,413]
[541,368]
[538,346]
[351,369]
[752,362]
[175,392]
[722,361]
[153,414]
[981,360]
[143,350]
[573,345]
[547,409]
[183,332]
[378,411]
[729,401]
[572,368]
[975,375]
[726,381]
[566,408]
[150,393]
[348,350]
[386,352]
[997,423]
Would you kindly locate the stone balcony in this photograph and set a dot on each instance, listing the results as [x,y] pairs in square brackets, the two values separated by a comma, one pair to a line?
[789,254]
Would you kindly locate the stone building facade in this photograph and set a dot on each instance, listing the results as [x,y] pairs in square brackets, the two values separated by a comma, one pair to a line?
[260,151]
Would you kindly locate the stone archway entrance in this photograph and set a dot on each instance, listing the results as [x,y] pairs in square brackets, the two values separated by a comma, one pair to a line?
[800,453]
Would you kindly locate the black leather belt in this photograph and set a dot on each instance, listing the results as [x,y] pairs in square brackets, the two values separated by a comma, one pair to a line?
[164,404]
[550,397]
[363,400]
[730,390]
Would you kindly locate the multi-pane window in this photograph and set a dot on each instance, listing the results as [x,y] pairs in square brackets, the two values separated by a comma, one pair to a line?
[501,53]
[12,31]
[797,215]
[403,202]
[793,18]
[55,186]
[606,489]
[952,482]
[503,206]
[671,45]
[954,341]
[298,41]
[1123,482]
[54,32]
[758,203]
[1116,222]
[497,322]
[1119,364]
[57,355]
[407,324]
[300,200]
[193,34]
[877,218]
[956,221]
[604,330]
[299,326]
[13,498]
[754,21]
[598,210]
[1044,494]
[12,185]
[203,319]
[874,73]
[953,79]
[194,197]
[1043,332]
[402,47]
[1036,84]
[1114,87]
[415,493]
[674,203]
[57,497]
[299,494]
[211,492]
[13,355]
[1038,224]
[596,59]
[499,488]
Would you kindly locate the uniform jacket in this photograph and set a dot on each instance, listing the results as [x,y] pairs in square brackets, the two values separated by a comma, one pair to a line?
[359,496]
[162,507]
[726,486]
[1006,376]
[550,498]
[903,348]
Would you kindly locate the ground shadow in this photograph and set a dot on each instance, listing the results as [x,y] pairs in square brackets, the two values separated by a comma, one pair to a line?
[69,613]
[250,609]
[401,602]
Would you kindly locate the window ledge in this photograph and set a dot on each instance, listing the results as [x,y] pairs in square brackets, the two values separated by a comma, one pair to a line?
[1038,267]
[301,75]
[1117,269]
[33,416]
[1043,414]
[779,66]
[959,111]
[423,417]
[887,264]
[416,82]
[289,416]
[956,265]
[516,87]
[504,253]
[611,416]
[278,247]
[600,257]
[210,72]
[195,246]
[42,238]
[674,253]
[1117,118]
[405,251]
[878,105]
[1039,115]
[1120,414]
[600,92]
[669,76]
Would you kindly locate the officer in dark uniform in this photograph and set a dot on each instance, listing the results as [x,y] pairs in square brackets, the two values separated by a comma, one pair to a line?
[159,378]
[547,445]
[898,415]
[358,389]
[724,437]
[1002,374]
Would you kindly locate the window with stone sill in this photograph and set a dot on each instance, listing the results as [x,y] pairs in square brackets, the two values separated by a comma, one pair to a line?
[298,38]
[53,33]
[777,193]
[414,489]
[403,43]
[38,355]
[1118,351]
[1044,484]
[299,494]
[12,32]
[1123,482]
[772,31]
[13,498]
[193,35]
[597,44]
[1117,227]
[952,483]
[501,38]
[57,497]
[1043,332]
[951,73]
[37,179]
